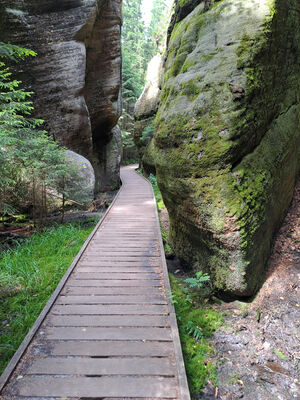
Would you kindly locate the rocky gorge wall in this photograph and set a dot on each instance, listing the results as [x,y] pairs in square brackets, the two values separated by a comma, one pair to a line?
[227,140]
[76,75]
[145,111]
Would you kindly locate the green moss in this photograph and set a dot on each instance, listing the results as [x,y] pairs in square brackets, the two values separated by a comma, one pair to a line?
[226,164]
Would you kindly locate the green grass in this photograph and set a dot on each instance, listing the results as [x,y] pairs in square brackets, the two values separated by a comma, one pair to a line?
[202,320]
[157,194]
[29,274]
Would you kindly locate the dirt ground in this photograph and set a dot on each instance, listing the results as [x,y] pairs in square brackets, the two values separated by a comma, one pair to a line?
[258,348]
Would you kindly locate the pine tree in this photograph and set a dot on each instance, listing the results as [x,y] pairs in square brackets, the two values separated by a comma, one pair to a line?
[30,161]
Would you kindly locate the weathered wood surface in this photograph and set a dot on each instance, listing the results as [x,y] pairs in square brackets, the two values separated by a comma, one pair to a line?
[110,331]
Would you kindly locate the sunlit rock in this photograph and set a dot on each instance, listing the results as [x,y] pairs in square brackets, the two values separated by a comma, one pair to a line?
[145,111]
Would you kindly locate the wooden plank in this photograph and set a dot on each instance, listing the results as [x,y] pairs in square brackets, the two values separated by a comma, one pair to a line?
[110,309]
[97,367]
[118,253]
[82,290]
[32,386]
[99,333]
[77,275]
[114,283]
[108,320]
[99,245]
[99,299]
[115,263]
[30,335]
[112,348]
[126,269]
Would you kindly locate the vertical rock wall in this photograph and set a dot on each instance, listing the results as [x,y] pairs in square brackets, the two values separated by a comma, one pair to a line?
[76,76]
[145,112]
[227,141]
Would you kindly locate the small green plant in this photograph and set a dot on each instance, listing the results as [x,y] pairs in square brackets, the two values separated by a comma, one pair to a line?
[279,354]
[194,330]
[197,282]
[198,287]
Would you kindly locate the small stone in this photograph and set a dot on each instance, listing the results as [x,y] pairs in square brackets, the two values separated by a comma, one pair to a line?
[224,133]
[201,154]
[237,91]
[199,137]
[267,345]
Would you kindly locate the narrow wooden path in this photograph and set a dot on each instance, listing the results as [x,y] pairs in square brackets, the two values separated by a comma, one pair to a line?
[109,331]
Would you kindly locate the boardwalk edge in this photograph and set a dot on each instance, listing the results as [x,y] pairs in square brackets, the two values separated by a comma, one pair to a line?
[30,335]
[184,388]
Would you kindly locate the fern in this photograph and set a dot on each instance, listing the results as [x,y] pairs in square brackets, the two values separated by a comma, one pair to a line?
[193,330]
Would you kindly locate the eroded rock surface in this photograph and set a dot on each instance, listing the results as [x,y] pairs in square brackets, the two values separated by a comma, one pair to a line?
[76,75]
[145,112]
[227,140]
[84,191]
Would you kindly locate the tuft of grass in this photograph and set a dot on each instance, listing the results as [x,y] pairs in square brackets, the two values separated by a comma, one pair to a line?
[29,274]
[196,324]
[157,193]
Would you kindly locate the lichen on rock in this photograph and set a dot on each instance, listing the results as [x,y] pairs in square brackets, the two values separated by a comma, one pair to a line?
[227,140]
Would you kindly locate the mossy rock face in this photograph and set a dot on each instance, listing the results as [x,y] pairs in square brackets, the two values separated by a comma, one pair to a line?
[227,140]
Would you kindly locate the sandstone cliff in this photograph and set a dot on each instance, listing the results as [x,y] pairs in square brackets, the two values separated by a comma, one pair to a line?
[227,140]
[145,111]
[76,75]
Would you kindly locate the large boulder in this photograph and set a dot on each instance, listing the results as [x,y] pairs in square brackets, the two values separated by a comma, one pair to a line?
[76,75]
[227,140]
[82,186]
[145,112]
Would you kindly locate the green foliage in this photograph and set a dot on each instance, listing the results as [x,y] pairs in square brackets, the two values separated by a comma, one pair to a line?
[157,30]
[199,287]
[196,323]
[28,276]
[134,63]
[198,281]
[14,52]
[157,193]
[147,134]
[30,160]
[139,45]
[279,354]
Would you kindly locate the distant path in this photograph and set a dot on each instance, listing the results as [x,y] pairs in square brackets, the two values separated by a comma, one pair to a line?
[109,330]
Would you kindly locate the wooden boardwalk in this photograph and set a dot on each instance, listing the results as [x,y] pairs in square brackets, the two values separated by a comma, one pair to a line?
[109,331]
